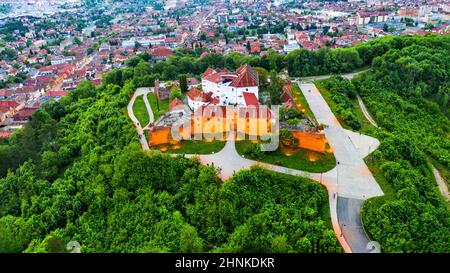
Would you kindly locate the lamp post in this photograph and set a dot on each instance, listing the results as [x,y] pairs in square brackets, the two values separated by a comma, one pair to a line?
[337,173]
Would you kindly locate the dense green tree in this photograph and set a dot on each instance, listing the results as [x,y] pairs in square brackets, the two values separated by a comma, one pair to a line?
[275,88]
[176,93]
[183,83]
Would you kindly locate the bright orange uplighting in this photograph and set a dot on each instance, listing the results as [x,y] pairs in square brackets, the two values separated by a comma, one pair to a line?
[312,157]
[287,151]
[176,146]
[164,148]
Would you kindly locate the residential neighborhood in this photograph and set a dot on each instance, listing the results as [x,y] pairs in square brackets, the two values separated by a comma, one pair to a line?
[77,41]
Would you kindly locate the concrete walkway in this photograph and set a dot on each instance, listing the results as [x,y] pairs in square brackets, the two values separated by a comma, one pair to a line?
[443,188]
[228,162]
[351,180]
[355,179]
[141,92]
[366,112]
[348,76]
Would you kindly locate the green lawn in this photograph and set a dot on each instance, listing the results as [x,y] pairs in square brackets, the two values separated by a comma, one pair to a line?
[300,98]
[140,111]
[299,159]
[374,166]
[333,106]
[193,147]
[325,215]
[163,105]
[366,127]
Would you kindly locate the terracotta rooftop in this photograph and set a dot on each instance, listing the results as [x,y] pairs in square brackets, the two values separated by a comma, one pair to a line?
[197,95]
[176,103]
[250,99]
[247,76]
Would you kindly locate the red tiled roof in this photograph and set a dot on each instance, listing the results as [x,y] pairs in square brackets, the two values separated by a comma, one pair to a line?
[25,90]
[4,134]
[161,52]
[97,82]
[175,104]
[58,93]
[209,71]
[6,93]
[247,76]
[170,40]
[220,76]
[25,113]
[48,68]
[243,77]
[197,95]
[4,109]
[286,96]
[250,99]
[204,54]
[8,103]
[377,13]
[189,81]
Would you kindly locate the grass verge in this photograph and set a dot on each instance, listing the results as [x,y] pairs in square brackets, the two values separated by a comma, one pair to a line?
[159,108]
[140,111]
[193,147]
[298,159]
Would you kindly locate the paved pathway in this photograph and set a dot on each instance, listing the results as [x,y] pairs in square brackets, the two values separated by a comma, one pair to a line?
[366,112]
[351,179]
[141,92]
[228,161]
[443,188]
[348,76]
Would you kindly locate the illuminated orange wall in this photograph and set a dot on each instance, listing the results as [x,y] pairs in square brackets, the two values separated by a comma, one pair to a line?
[312,142]
[159,136]
[162,136]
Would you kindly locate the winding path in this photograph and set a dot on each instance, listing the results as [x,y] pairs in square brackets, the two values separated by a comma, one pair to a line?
[348,76]
[441,184]
[351,180]
[366,112]
[141,92]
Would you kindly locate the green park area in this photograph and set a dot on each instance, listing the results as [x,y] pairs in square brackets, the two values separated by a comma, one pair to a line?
[341,97]
[193,147]
[293,158]
[140,111]
[299,98]
[159,107]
